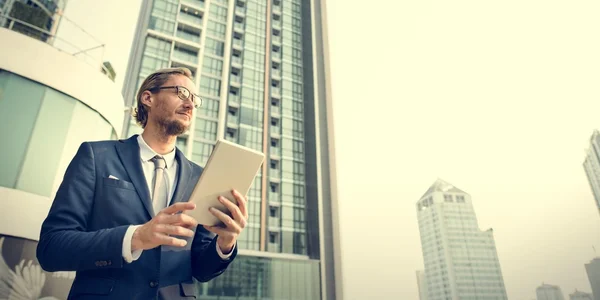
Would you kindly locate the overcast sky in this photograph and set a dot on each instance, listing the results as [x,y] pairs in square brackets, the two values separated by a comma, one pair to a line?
[498,98]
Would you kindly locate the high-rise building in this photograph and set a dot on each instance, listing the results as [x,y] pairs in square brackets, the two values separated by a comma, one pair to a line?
[50,102]
[422,283]
[593,272]
[591,165]
[461,261]
[579,295]
[261,67]
[549,292]
[38,19]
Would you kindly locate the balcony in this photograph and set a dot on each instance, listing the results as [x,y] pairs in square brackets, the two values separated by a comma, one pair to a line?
[275,108]
[275,174]
[194,3]
[277,10]
[238,26]
[236,60]
[275,90]
[235,80]
[274,222]
[276,73]
[188,18]
[240,12]
[273,247]
[232,121]
[276,56]
[276,24]
[239,44]
[188,36]
[234,100]
[276,96]
[274,197]
[275,151]
[186,56]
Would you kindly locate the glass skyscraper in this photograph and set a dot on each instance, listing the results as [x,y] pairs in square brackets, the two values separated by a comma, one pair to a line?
[591,165]
[261,67]
[461,261]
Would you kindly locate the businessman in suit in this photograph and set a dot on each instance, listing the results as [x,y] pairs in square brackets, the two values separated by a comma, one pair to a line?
[117,216]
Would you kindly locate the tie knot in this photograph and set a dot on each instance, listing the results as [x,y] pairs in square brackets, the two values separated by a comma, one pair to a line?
[159,162]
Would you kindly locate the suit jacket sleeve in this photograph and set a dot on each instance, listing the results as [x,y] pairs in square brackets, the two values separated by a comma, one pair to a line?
[206,262]
[65,244]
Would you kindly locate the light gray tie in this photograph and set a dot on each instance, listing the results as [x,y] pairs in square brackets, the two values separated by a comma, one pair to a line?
[159,195]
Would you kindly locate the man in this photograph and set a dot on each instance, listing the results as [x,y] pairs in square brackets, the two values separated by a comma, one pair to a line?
[117,217]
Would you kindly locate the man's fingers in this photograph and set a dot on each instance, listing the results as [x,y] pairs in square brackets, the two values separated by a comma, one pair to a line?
[227,220]
[166,240]
[179,219]
[216,230]
[233,209]
[242,203]
[174,230]
[179,206]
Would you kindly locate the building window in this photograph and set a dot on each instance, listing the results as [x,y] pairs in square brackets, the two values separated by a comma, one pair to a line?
[212,66]
[214,47]
[448,198]
[273,237]
[274,187]
[210,86]
[206,129]
[273,211]
[231,133]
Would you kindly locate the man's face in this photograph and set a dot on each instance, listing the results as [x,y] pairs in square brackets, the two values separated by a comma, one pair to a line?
[168,110]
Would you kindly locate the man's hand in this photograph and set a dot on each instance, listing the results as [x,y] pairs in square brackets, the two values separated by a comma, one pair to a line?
[160,230]
[234,225]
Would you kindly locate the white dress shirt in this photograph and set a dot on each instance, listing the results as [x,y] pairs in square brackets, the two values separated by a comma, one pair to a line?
[146,154]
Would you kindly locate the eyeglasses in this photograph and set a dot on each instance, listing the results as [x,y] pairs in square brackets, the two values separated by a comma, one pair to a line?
[182,92]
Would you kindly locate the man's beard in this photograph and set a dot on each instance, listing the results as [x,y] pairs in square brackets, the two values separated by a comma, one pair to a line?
[171,127]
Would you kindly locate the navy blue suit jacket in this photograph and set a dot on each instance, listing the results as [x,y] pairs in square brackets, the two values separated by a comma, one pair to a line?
[84,229]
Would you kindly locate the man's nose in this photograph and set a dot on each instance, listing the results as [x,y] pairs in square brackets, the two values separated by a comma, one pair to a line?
[188,104]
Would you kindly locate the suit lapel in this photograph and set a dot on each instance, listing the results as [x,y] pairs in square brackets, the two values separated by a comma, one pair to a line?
[129,153]
[187,178]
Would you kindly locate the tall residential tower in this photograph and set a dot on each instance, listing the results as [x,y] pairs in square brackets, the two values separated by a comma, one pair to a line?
[461,261]
[261,67]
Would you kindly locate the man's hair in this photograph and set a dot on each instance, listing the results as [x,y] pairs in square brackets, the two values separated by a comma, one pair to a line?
[154,80]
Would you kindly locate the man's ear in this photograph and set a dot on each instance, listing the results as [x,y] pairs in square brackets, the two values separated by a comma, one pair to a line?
[147,98]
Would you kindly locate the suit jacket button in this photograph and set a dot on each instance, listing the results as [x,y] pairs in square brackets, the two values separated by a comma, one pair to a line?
[153,284]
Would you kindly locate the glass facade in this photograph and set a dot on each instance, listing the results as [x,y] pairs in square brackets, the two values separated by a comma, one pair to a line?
[250,60]
[263,278]
[36,121]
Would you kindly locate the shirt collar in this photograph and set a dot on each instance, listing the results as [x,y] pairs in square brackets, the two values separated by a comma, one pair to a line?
[146,153]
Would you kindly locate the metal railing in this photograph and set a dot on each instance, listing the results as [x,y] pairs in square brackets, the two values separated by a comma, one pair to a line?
[238,42]
[185,56]
[236,59]
[238,26]
[194,3]
[188,36]
[81,44]
[190,19]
